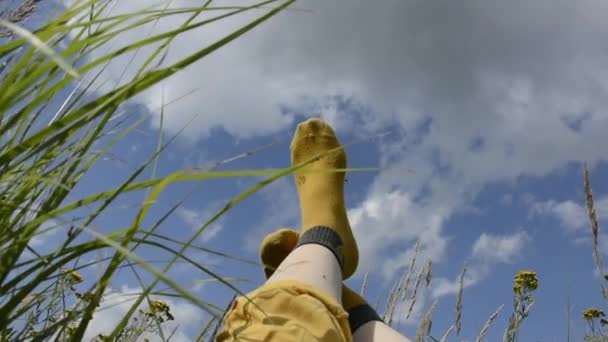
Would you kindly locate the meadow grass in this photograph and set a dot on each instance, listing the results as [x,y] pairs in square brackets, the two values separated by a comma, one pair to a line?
[44,152]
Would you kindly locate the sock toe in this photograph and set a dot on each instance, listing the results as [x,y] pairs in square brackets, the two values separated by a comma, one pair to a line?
[275,247]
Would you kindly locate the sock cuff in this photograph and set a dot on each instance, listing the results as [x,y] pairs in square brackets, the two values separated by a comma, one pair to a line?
[326,237]
[360,315]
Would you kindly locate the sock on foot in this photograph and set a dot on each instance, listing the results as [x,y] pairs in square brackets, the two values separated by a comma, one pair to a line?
[326,237]
[277,245]
[321,194]
[359,311]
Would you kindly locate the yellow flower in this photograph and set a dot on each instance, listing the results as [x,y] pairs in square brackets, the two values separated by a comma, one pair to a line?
[73,276]
[159,306]
[592,313]
[517,288]
[160,309]
[526,280]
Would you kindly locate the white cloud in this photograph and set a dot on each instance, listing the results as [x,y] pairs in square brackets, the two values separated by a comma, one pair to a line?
[443,286]
[116,303]
[487,251]
[499,248]
[529,90]
[482,68]
[195,219]
[507,78]
[394,220]
[572,216]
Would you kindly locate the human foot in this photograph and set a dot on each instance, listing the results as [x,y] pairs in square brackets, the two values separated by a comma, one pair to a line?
[321,193]
[275,247]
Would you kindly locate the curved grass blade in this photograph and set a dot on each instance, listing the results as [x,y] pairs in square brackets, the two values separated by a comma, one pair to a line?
[40,45]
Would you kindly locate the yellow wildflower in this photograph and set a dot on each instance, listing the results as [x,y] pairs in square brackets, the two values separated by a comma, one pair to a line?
[73,276]
[158,306]
[526,280]
[592,313]
[517,288]
[160,309]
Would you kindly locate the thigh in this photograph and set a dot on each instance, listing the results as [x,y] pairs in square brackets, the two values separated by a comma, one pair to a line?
[286,311]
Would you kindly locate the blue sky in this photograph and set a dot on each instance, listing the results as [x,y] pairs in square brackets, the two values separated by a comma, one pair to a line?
[479,113]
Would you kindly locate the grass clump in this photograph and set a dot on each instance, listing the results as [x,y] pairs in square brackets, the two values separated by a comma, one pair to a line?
[46,149]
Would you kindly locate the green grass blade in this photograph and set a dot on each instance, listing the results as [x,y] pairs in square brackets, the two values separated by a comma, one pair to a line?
[40,45]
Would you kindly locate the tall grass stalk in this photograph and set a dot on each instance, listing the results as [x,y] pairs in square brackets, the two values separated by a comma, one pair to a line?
[458,321]
[447,333]
[595,229]
[414,293]
[410,271]
[424,328]
[428,267]
[486,325]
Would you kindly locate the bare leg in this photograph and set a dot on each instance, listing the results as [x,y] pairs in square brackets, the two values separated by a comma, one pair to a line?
[378,331]
[314,265]
[279,245]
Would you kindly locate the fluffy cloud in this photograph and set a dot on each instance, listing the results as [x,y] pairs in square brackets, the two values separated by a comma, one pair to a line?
[572,216]
[497,248]
[500,70]
[479,91]
[195,219]
[396,221]
[488,251]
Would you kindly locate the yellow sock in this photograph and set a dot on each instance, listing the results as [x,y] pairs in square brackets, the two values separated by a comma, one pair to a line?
[275,247]
[321,194]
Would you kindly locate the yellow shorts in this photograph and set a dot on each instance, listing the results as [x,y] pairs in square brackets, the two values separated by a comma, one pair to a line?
[290,311]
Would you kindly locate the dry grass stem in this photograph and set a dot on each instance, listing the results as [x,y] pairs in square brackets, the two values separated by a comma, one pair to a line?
[458,322]
[389,301]
[410,270]
[424,328]
[395,300]
[378,297]
[428,267]
[414,293]
[486,326]
[444,338]
[18,15]
[364,284]
[595,228]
